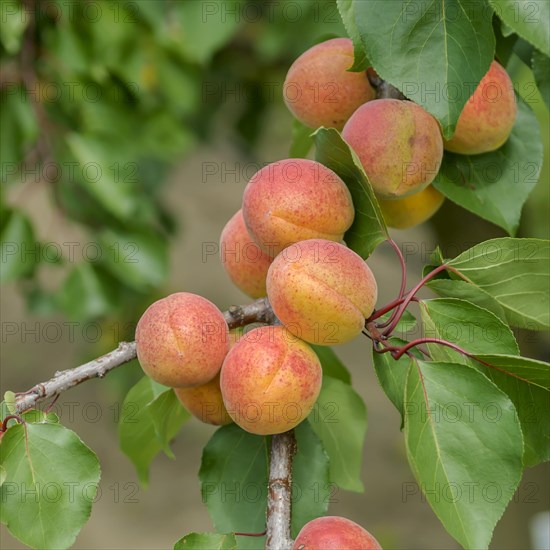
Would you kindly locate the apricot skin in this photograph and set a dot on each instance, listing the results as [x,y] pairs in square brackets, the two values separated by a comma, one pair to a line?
[411,211]
[321,291]
[242,258]
[293,200]
[488,117]
[399,145]
[333,532]
[270,381]
[182,340]
[318,89]
[205,402]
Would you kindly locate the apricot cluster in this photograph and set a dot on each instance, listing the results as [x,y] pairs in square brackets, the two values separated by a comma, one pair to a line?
[398,143]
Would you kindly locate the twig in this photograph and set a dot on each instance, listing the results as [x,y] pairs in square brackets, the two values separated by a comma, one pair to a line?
[283,447]
[237,316]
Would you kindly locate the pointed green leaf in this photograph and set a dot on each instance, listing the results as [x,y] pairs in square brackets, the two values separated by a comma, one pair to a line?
[436,53]
[234,477]
[51,476]
[530,19]
[368,229]
[516,273]
[206,541]
[311,489]
[496,185]
[150,418]
[339,418]
[464,446]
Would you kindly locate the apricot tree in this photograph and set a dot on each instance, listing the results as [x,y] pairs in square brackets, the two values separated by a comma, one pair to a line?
[386,154]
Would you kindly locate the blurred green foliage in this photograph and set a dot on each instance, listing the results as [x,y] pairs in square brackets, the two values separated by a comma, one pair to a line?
[99,99]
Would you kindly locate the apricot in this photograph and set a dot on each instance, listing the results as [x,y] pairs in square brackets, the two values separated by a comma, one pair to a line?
[242,258]
[399,145]
[488,117]
[182,340]
[413,210]
[293,200]
[318,89]
[270,381]
[205,402]
[334,532]
[321,291]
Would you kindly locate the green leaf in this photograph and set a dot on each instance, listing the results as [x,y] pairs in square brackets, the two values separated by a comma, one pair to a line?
[137,258]
[392,374]
[234,477]
[435,52]
[496,185]
[100,178]
[530,19]
[339,418]
[206,541]
[467,325]
[526,381]
[14,22]
[311,489]
[301,140]
[466,291]
[87,293]
[332,366]
[515,272]
[541,69]
[168,415]
[51,482]
[150,417]
[347,13]
[466,458]
[368,229]
[19,249]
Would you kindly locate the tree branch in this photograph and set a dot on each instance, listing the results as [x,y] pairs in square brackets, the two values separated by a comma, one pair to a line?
[237,316]
[283,448]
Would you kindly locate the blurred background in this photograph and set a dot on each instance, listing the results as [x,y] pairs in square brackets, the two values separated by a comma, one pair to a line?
[128,133]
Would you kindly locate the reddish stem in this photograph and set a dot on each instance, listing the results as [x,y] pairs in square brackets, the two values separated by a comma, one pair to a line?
[403,281]
[7,419]
[410,295]
[251,534]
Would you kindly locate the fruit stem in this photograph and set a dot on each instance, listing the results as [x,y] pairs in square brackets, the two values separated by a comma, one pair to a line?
[395,246]
[410,295]
[7,419]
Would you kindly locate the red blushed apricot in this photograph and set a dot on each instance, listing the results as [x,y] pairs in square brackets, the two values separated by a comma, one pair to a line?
[270,381]
[242,258]
[293,200]
[205,402]
[488,117]
[334,533]
[319,90]
[413,210]
[182,340]
[399,145]
[321,291]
